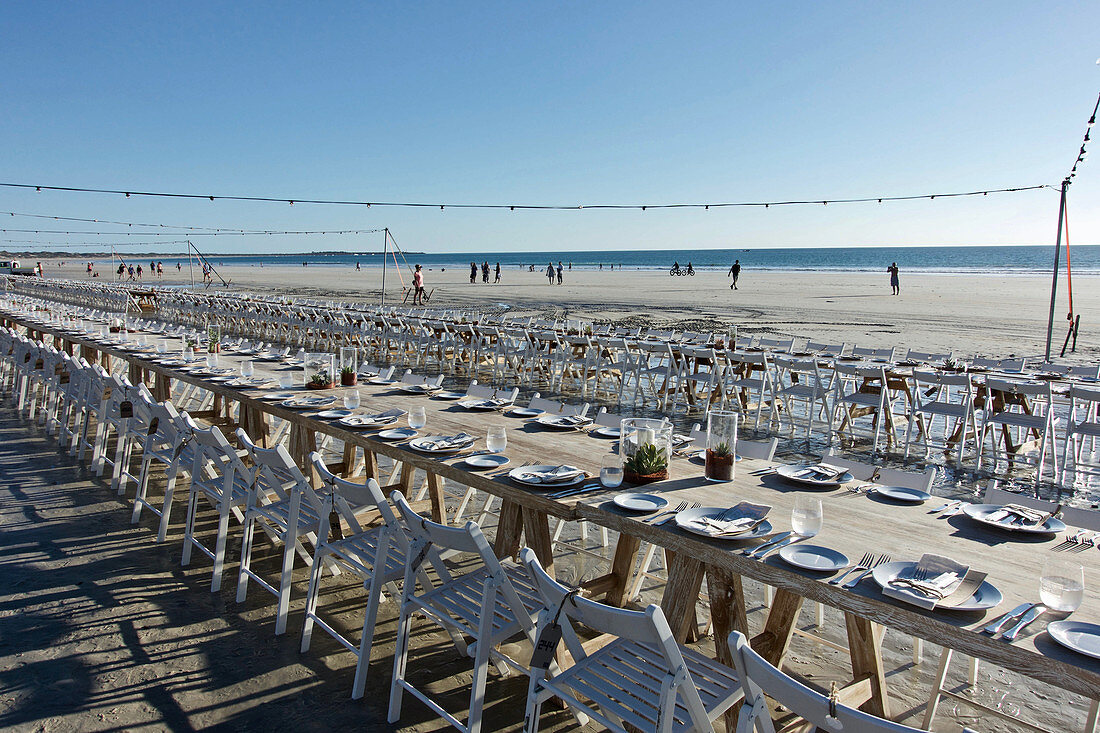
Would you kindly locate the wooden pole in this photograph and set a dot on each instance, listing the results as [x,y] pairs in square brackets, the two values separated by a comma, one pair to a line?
[1054,279]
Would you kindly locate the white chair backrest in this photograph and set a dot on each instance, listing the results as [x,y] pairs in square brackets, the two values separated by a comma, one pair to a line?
[557,408]
[488,392]
[1073,516]
[760,678]
[415,379]
[608,419]
[348,497]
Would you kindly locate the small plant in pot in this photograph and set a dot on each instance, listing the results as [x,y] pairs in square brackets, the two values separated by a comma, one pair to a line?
[719,462]
[321,380]
[348,377]
[646,465]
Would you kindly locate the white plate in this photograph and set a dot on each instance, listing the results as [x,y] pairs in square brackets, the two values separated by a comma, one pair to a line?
[1081,637]
[513,474]
[554,421]
[449,395]
[814,557]
[901,493]
[416,388]
[605,432]
[979,512]
[524,412]
[397,434]
[221,378]
[278,397]
[379,380]
[987,596]
[684,518]
[308,403]
[491,460]
[366,422]
[791,473]
[480,405]
[640,502]
[334,414]
[427,445]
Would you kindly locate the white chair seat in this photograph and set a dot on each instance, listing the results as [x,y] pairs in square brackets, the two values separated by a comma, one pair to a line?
[461,599]
[625,678]
[1019,420]
[277,514]
[360,550]
[948,409]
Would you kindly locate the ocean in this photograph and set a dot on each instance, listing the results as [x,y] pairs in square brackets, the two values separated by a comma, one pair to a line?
[947,260]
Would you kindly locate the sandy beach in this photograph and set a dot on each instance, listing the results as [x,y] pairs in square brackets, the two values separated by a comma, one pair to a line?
[989,315]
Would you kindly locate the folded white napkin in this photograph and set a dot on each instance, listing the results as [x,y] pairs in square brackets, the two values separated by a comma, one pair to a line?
[821,472]
[735,520]
[942,576]
[1018,514]
[572,420]
[450,441]
[556,475]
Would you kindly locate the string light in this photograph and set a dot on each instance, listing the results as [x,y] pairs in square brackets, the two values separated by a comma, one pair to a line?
[1082,154]
[55,217]
[532,207]
[176,234]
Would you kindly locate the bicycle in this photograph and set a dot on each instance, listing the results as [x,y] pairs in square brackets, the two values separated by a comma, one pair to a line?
[681,271]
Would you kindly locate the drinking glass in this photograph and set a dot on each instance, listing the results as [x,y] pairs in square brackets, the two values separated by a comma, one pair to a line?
[1062,584]
[286,380]
[496,439]
[212,360]
[417,418]
[188,354]
[806,516]
[247,370]
[351,399]
[611,472]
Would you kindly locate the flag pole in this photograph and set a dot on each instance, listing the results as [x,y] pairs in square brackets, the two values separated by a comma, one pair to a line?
[385,255]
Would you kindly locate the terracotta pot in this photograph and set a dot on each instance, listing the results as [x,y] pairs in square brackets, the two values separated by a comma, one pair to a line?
[648,478]
[314,385]
[348,380]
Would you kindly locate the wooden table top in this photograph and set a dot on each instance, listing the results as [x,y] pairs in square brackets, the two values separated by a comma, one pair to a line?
[853,523]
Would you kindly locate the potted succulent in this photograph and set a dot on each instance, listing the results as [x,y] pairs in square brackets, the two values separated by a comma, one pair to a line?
[321,380]
[348,377]
[719,462]
[645,465]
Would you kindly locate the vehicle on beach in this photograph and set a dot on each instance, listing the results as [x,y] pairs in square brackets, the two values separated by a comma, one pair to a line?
[11,267]
[677,271]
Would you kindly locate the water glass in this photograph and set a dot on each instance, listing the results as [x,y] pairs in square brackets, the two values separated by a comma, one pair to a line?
[1062,584]
[611,472]
[417,418]
[351,399]
[247,370]
[286,380]
[806,516]
[496,439]
[212,360]
[188,354]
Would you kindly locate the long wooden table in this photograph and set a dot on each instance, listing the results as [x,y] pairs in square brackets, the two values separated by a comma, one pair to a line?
[854,524]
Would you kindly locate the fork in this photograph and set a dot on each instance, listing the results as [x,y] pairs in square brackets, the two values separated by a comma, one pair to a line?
[883,558]
[670,517]
[1069,542]
[509,470]
[1085,542]
[863,564]
[679,508]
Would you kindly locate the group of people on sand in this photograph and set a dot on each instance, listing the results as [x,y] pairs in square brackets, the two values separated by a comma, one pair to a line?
[484,272]
[551,272]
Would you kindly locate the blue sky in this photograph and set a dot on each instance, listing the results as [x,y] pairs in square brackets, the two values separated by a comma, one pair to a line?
[556,103]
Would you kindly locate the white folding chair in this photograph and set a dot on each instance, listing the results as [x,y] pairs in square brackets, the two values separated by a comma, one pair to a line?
[283,503]
[761,680]
[376,554]
[861,392]
[947,396]
[491,604]
[801,383]
[1025,414]
[642,678]
[1082,430]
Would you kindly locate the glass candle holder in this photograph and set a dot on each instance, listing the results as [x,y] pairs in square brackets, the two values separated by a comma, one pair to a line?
[721,453]
[349,366]
[645,447]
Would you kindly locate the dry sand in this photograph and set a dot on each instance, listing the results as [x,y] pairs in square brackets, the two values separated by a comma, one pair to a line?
[990,315]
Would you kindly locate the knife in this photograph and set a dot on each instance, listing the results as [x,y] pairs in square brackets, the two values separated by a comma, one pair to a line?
[1030,616]
[778,538]
[954,510]
[1002,621]
[778,545]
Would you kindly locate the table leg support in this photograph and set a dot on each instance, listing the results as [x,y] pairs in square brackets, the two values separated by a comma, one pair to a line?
[865,648]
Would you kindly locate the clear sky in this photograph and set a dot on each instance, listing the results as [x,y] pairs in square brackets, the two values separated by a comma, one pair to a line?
[564,103]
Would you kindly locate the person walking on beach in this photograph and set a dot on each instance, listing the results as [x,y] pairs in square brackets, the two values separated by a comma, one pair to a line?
[160,269]
[895,284]
[357,267]
[550,273]
[418,285]
[559,273]
[498,275]
[485,271]
[473,273]
[735,271]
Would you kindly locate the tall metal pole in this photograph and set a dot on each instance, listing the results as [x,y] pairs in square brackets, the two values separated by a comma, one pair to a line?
[385,256]
[191,264]
[1057,253]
